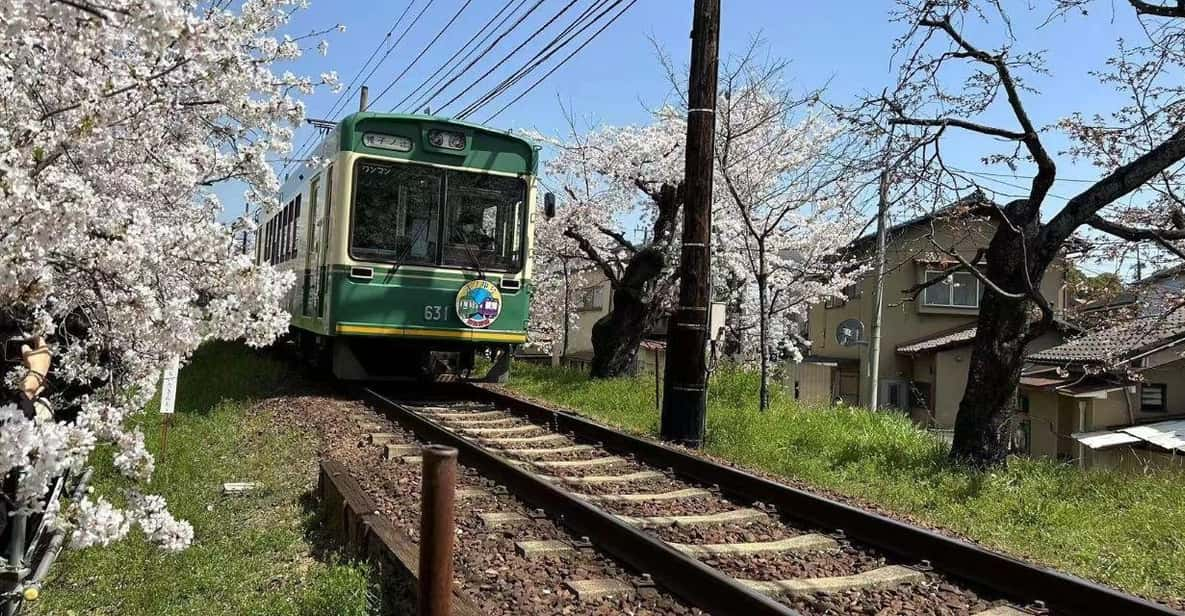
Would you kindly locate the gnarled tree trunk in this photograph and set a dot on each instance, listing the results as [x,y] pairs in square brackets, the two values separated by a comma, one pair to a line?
[638,290]
[1005,327]
[617,335]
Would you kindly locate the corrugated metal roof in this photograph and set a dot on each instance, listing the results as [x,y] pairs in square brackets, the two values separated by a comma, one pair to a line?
[1167,434]
[1164,434]
[1104,439]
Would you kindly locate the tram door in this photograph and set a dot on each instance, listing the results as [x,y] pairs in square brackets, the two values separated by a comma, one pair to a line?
[312,279]
[322,270]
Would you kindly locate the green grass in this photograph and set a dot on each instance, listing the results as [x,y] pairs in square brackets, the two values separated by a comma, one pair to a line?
[257,554]
[1120,528]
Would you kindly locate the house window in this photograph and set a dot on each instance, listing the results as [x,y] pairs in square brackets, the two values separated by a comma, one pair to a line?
[959,290]
[1152,397]
[920,395]
[850,292]
[590,298]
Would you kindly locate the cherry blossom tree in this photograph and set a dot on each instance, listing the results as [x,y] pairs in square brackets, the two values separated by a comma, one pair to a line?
[780,217]
[948,82]
[608,176]
[784,211]
[116,119]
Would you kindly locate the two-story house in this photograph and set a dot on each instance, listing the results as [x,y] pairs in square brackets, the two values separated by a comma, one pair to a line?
[925,341]
[1115,396]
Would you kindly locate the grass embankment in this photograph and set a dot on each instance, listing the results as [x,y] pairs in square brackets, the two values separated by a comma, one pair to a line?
[256,554]
[1119,528]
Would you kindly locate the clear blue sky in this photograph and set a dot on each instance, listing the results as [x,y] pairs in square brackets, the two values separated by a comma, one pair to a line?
[617,76]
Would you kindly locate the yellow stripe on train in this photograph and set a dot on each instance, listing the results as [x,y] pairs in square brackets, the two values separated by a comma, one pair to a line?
[475,334]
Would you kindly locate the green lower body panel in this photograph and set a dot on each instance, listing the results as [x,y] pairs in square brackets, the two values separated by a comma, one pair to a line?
[418,306]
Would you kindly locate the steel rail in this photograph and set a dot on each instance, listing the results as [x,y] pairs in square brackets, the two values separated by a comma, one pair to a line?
[1013,578]
[683,576]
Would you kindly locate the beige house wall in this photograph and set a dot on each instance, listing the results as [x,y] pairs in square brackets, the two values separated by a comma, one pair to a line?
[1043,436]
[951,369]
[812,382]
[905,320]
[1136,460]
[1170,374]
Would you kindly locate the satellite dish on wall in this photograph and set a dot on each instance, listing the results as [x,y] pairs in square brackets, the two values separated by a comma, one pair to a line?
[850,332]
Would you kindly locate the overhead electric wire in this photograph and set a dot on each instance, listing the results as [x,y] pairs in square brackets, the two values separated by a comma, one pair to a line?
[423,51]
[420,101]
[341,97]
[502,61]
[344,96]
[542,54]
[483,53]
[562,62]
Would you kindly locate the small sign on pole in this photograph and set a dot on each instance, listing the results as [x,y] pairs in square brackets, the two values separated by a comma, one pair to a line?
[168,402]
[168,387]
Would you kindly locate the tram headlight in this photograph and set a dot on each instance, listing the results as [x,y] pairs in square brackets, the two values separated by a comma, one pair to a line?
[447,139]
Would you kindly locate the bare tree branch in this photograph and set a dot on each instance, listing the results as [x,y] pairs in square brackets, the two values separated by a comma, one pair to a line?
[1162,237]
[591,253]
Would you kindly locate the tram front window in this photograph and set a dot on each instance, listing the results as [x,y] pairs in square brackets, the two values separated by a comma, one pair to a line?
[396,213]
[484,221]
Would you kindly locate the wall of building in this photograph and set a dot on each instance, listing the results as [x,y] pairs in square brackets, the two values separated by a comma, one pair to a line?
[1171,373]
[1112,410]
[1043,438]
[583,319]
[904,320]
[950,379]
[1135,459]
[810,381]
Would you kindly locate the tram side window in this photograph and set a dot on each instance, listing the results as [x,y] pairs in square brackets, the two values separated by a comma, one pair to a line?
[396,213]
[484,221]
[295,223]
[275,237]
[271,241]
[286,237]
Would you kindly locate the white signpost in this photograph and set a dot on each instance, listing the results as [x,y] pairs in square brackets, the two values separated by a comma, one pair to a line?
[168,402]
[168,387]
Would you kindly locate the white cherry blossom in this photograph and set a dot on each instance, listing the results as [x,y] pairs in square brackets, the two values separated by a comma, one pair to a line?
[116,119]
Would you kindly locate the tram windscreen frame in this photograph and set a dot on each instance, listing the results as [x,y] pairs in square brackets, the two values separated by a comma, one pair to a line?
[420,215]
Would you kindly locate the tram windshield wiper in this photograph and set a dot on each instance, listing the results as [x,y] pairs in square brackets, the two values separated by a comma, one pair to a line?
[475,258]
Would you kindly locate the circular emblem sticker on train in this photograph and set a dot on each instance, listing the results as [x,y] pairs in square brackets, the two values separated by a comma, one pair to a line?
[479,303]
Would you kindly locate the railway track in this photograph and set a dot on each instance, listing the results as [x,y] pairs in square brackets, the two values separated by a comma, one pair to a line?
[718,538]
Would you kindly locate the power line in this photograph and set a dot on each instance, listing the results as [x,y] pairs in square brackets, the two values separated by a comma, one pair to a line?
[441,74]
[548,56]
[345,93]
[303,148]
[985,176]
[424,50]
[502,61]
[483,53]
[534,60]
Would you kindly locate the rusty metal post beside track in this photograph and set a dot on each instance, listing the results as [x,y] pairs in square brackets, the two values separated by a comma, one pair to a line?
[437,530]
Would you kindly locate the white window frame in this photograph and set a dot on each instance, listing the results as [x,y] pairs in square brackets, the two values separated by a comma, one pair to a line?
[950,296]
[595,293]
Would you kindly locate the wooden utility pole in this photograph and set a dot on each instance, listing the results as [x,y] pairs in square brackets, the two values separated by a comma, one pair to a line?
[684,400]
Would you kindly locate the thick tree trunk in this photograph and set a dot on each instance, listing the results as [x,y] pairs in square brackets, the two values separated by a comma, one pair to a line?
[983,423]
[616,336]
[733,345]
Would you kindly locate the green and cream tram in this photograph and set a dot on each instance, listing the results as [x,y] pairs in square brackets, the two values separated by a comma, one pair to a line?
[410,238]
